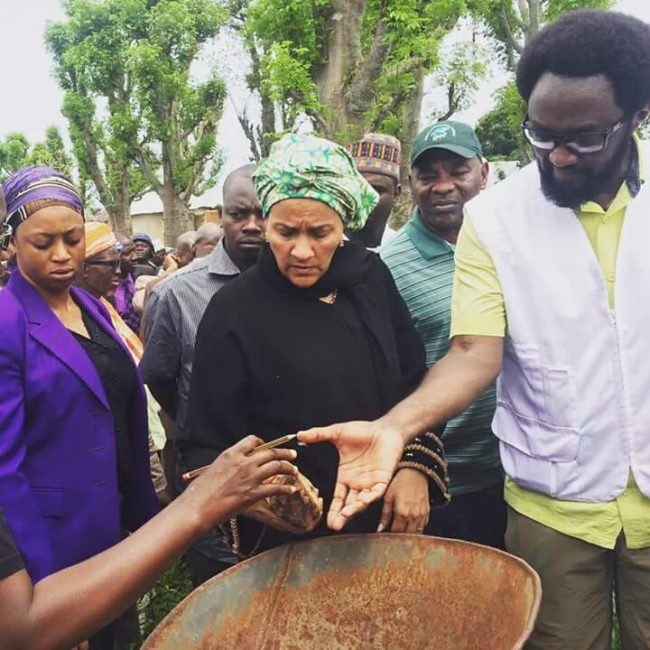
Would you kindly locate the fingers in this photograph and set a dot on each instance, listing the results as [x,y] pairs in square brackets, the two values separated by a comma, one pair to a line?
[386,515]
[400,523]
[338,500]
[319,434]
[246,445]
[353,507]
[275,467]
[275,489]
[269,455]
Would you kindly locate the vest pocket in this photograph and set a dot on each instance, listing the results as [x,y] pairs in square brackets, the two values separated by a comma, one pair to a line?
[49,501]
[560,398]
[535,438]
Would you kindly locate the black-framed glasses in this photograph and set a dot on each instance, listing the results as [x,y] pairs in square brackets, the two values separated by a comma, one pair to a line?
[113,264]
[577,143]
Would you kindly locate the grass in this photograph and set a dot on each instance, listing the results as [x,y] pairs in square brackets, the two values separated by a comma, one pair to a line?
[171,589]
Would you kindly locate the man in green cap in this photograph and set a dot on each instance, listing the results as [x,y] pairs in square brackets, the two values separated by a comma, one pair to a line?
[447,170]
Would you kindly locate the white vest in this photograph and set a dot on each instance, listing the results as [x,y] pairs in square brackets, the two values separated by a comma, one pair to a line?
[573,396]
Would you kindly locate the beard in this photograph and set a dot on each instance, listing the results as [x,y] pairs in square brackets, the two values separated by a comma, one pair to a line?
[574,195]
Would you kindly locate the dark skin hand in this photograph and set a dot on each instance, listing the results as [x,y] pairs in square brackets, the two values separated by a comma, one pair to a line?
[71,605]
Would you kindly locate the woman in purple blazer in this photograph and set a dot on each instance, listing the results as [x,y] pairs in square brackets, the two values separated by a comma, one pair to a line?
[74,465]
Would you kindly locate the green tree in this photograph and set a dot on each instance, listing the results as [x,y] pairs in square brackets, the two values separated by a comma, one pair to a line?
[138,119]
[52,152]
[348,65]
[17,152]
[499,130]
[14,154]
[512,23]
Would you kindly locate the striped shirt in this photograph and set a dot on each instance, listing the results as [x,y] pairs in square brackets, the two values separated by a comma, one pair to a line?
[422,265]
[173,313]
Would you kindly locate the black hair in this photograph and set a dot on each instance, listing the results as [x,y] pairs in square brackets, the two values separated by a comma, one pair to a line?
[587,43]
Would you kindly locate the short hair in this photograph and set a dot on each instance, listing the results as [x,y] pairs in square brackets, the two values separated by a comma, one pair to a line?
[588,43]
[245,171]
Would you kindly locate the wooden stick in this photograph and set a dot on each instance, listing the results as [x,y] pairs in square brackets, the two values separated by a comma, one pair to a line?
[188,476]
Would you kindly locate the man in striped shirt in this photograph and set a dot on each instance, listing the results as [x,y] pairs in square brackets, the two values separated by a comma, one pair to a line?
[447,170]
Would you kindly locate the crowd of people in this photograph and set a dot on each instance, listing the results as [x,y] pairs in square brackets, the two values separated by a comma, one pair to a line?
[476,375]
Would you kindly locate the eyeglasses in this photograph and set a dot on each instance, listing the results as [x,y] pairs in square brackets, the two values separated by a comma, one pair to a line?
[577,143]
[113,264]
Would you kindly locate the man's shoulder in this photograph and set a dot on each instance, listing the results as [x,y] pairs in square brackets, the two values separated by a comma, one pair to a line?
[392,252]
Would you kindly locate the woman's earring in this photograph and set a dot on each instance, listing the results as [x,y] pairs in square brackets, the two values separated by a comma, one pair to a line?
[342,243]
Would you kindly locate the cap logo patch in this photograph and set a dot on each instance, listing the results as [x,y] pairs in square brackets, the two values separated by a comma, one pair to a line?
[441,132]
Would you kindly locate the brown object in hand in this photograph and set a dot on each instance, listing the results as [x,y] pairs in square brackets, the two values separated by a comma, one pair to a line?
[302,509]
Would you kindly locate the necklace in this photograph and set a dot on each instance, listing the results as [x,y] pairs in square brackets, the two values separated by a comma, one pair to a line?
[330,298]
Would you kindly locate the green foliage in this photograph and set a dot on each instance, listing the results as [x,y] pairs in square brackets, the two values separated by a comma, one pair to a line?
[397,44]
[138,119]
[499,130]
[169,591]
[16,152]
[512,23]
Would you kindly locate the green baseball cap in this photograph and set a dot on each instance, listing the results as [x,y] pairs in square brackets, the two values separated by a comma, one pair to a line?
[457,137]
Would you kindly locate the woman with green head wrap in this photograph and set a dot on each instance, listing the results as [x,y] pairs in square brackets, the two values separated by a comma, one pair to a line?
[315,333]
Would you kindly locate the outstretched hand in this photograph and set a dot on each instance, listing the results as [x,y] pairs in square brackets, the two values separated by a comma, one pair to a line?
[368,459]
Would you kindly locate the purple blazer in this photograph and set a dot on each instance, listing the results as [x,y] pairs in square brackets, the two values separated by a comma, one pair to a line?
[58,467]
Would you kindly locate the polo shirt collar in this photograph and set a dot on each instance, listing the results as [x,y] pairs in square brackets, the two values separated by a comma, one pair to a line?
[426,243]
[219,262]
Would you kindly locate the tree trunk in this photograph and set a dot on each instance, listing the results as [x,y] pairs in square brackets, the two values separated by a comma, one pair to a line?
[177,217]
[410,126]
[343,56]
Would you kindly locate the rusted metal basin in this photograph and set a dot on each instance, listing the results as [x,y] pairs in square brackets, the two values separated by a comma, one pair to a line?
[361,591]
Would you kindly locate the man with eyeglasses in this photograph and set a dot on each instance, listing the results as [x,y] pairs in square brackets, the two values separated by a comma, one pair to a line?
[552,295]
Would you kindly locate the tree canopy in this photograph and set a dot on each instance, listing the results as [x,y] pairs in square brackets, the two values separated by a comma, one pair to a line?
[138,118]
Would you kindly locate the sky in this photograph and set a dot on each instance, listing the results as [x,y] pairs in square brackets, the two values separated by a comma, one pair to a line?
[32,100]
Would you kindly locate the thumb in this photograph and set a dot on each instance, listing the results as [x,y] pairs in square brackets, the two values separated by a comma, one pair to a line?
[386,514]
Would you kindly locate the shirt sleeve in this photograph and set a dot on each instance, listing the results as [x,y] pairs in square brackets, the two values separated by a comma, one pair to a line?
[161,360]
[219,393]
[10,559]
[477,305]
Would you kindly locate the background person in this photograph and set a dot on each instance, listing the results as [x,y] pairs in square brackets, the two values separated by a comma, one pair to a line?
[447,171]
[377,158]
[207,237]
[173,313]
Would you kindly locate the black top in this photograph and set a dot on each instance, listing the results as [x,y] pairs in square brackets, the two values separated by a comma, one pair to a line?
[119,380]
[272,359]
[10,560]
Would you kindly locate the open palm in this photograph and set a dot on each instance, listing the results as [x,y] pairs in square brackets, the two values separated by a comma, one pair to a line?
[367,463]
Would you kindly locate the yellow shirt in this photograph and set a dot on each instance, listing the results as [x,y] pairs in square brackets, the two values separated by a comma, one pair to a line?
[478,308]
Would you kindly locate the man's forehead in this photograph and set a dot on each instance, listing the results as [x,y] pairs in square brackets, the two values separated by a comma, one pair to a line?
[563,103]
[240,193]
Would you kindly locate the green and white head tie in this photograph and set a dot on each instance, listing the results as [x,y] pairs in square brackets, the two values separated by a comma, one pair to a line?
[307,167]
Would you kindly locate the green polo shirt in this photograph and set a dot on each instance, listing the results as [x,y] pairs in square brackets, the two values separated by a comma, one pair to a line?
[422,265]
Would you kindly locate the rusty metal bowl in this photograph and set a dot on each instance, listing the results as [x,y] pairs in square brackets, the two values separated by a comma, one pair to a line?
[361,591]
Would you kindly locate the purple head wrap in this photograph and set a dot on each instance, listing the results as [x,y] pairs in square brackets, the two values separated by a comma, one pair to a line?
[36,183]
